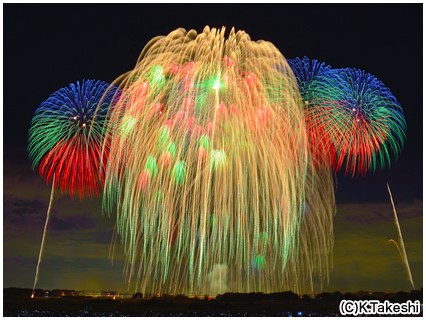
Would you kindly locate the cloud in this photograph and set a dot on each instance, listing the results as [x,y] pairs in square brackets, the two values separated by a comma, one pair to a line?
[21,212]
[75,222]
[21,206]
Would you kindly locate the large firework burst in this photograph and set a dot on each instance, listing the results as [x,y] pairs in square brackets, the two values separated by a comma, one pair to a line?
[354,121]
[210,166]
[66,137]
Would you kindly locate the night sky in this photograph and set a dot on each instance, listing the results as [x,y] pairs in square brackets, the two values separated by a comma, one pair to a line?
[47,47]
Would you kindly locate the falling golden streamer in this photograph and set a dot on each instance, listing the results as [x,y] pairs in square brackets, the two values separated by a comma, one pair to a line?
[209,169]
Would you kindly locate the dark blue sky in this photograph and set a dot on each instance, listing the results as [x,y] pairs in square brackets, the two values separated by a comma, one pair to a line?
[47,47]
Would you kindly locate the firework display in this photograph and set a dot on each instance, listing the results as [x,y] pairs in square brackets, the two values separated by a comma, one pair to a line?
[217,155]
[66,139]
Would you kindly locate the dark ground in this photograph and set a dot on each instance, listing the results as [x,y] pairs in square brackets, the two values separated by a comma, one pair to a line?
[253,304]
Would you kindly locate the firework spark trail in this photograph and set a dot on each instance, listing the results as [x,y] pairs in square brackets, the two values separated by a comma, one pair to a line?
[404,254]
[210,165]
[391,240]
[44,236]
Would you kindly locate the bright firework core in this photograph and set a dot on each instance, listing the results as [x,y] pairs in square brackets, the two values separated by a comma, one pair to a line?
[212,196]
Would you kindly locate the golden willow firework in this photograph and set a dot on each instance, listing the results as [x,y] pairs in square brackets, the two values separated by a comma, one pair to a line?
[210,169]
